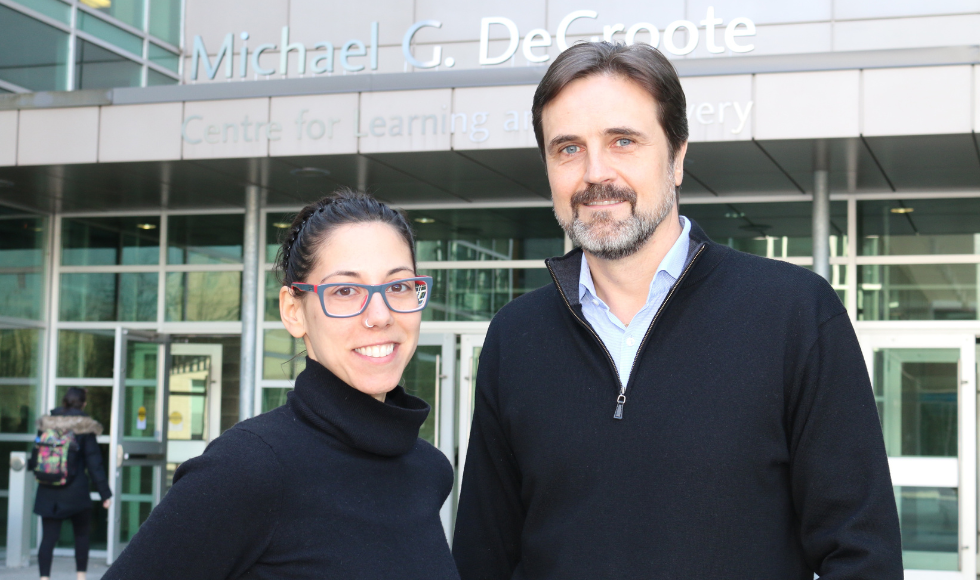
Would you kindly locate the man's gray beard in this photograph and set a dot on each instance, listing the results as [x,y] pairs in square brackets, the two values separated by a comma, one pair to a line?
[609,239]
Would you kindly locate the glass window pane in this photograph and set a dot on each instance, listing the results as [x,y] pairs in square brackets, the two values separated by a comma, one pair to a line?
[916,394]
[110,241]
[21,267]
[486,234]
[128,11]
[85,354]
[98,68]
[189,378]
[32,55]
[135,499]
[165,20]
[20,351]
[205,239]
[273,397]
[139,410]
[919,226]
[282,355]
[918,292]
[272,296]
[276,226]
[110,33]
[478,294]
[929,517]
[163,57]
[200,296]
[774,230]
[155,79]
[421,379]
[52,8]
[109,297]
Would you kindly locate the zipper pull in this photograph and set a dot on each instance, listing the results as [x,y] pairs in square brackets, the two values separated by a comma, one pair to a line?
[620,401]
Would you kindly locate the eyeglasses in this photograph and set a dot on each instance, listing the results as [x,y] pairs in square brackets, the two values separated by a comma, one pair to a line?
[346,299]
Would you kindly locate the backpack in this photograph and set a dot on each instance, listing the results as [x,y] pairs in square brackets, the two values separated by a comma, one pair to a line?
[51,449]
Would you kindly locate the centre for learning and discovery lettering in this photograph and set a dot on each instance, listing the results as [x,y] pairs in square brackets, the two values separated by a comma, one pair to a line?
[356,55]
[474,126]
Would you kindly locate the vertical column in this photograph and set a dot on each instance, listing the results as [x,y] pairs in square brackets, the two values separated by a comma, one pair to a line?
[821,211]
[250,288]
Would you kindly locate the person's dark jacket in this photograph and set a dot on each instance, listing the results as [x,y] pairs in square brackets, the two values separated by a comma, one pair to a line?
[65,501]
[334,484]
[749,444]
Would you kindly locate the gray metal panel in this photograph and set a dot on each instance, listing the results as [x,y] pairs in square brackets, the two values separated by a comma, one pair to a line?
[57,99]
[485,77]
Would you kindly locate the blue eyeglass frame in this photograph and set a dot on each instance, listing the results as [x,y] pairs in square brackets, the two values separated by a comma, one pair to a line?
[371,288]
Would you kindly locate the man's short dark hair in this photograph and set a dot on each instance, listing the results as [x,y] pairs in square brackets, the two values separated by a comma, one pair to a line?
[640,63]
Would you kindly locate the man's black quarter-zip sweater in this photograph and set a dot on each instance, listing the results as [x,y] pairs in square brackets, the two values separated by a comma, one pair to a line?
[749,445]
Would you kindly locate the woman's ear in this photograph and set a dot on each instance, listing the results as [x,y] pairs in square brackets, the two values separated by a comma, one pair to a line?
[292,313]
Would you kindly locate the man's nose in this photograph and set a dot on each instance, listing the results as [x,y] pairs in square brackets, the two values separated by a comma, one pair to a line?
[599,168]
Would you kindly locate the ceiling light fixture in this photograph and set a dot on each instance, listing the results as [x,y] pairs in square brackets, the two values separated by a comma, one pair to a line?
[281,225]
[147,226]
[903,209]
[424,220]
[309,172]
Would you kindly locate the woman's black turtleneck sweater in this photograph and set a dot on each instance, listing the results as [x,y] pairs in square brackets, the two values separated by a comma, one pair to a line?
[334,484]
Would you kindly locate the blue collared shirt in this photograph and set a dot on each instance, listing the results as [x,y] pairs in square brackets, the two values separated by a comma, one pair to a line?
[624,341]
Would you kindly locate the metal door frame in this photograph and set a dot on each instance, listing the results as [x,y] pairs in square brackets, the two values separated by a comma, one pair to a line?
[960,472]
[467,388]
[446,409]
[124,453]
[213,409]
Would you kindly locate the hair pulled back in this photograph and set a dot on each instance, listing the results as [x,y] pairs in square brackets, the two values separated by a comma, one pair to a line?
[315,222]
[74,398]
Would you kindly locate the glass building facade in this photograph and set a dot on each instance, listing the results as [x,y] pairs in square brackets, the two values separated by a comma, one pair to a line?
[55,45]
[139,235]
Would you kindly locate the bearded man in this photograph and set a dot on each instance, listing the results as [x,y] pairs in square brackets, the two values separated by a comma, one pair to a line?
[669,408]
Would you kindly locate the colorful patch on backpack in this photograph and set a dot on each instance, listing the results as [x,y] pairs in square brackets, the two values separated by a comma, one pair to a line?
[52,447]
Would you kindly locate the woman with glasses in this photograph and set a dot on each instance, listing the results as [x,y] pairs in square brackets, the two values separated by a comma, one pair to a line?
[336,483]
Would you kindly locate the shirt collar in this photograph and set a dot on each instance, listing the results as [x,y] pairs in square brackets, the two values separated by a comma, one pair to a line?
[673,263]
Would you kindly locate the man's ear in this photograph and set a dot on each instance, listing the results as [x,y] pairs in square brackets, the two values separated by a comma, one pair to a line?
[679,164]
[292,313]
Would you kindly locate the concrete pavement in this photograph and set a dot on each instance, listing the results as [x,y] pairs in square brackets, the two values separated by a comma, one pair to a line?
[61,569]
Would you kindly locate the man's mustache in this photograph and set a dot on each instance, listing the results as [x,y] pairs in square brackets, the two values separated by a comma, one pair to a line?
[596,192]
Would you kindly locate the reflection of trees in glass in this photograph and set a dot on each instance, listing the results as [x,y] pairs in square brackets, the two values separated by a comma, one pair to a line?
[22,256]
[85,354]
[419,379]
[109,297]
[478,294]
[204,296]
[282,355]
[929,409]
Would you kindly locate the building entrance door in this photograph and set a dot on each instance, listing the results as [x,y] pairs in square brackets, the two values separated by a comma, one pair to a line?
[138,440]
[194,403]
[925,390]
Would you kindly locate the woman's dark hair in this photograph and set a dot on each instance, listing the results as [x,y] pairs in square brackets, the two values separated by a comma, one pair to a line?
[315,222]
[640,63]
[74,398]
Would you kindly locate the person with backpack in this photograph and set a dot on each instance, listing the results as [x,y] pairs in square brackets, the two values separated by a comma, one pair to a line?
[65,448]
